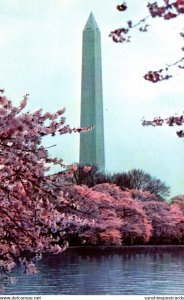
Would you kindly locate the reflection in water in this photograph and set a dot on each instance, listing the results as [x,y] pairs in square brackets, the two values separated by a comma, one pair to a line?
[131,270]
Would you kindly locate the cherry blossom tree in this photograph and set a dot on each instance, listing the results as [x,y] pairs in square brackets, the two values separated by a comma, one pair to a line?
[178,201]
[167,222]
[123,217]
[167,10]
[96,205]
[118,219]
[30,221]
[135,226]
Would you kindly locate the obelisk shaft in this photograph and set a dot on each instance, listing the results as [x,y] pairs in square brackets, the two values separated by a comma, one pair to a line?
[92,143]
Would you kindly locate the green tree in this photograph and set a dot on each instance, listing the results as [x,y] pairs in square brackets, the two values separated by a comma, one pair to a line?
[140,180]
[135,179]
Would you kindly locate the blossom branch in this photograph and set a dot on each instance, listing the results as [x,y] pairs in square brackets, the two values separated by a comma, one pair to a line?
[171,121]
[167,11]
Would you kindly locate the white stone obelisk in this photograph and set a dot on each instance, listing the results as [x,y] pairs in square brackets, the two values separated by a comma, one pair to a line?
[92,143]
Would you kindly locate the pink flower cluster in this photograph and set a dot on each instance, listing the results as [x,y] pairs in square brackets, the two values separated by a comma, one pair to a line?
[31,221]
[167,11]
[171,121]
[127,217]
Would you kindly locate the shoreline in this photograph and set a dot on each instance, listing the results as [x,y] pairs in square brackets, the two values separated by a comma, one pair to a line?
[136,249]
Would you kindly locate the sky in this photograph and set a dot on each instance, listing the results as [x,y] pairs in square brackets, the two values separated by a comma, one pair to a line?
[41,53]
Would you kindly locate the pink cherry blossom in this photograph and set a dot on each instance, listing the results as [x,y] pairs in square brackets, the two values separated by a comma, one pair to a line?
[30,221]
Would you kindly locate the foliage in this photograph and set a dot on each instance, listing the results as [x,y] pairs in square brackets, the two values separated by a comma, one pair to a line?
[168,10]
[178,201]
[133,180]
[145,195]
[135,227]
[140,180]
[30,222]
[118,219]
[42,213]
[167,222]
[90,176]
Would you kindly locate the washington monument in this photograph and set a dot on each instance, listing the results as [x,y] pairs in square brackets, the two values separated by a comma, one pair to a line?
[92,143]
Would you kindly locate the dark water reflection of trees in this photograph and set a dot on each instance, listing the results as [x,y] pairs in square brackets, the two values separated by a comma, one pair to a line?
[92,271]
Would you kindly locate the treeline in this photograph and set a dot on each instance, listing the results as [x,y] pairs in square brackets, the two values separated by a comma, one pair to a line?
[134,179]
[126,209]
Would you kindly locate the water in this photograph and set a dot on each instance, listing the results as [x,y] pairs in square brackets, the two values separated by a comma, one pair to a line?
[108,271]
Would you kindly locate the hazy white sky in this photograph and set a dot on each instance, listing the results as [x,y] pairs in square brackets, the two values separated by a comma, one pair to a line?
[40,54]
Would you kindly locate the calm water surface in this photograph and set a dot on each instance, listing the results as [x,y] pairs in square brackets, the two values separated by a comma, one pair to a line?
[108,271]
